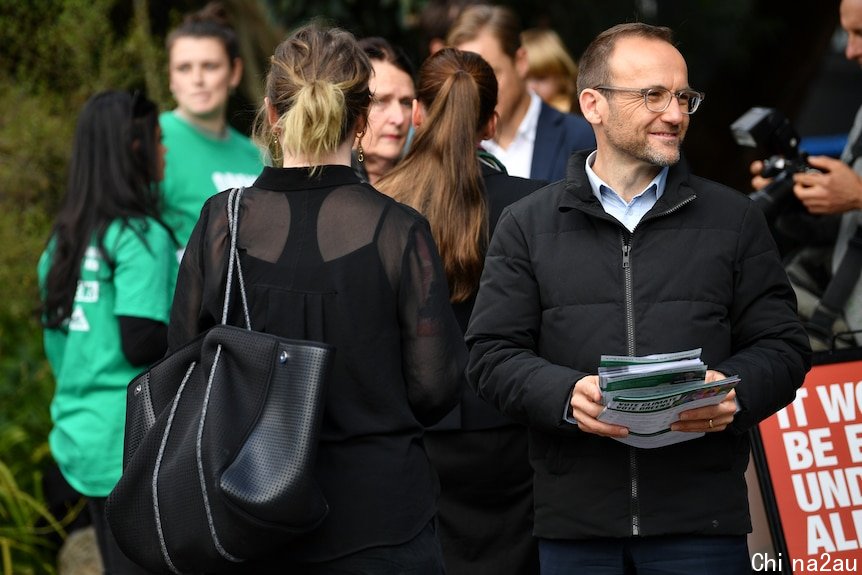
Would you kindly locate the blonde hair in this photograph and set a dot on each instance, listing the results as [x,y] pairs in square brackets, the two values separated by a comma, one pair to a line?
[547,56]
[440,176]
[318,86]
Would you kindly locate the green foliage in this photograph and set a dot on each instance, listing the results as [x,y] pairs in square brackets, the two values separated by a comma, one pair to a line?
[388,18]
[56,54]
[27,529]
[28,532]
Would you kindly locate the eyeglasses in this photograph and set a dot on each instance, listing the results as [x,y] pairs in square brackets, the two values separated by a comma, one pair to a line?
[658,99]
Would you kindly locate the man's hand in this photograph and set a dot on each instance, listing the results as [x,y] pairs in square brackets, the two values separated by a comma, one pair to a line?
[837,190]
[711,417]
[586,406]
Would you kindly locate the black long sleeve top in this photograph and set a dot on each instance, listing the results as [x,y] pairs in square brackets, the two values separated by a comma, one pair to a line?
[328,258]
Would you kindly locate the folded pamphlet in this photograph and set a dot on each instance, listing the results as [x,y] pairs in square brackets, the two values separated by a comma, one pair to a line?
[646,394]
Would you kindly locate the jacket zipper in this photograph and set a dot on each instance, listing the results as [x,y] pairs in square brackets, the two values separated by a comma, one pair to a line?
[629,299]
[630,349]
[626,240]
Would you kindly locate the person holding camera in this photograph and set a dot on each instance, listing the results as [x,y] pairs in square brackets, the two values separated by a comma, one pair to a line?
[834,187]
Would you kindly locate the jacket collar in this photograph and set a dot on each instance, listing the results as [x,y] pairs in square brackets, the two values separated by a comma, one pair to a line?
[578,194]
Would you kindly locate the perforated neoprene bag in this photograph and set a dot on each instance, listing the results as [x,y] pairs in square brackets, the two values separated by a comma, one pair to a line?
[219,451]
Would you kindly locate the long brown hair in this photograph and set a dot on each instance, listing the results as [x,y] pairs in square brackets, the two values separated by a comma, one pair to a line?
[440,176]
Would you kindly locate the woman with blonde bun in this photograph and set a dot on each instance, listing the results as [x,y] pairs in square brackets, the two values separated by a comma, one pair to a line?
[327,257]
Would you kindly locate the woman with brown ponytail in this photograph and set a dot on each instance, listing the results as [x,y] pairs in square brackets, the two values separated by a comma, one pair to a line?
[327,257]
[480,455]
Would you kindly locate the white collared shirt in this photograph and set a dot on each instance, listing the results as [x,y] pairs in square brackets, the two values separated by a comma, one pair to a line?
[518,157]
[630,213]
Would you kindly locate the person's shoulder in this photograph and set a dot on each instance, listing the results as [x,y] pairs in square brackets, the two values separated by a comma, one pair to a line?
[578,132]
[499,184]
[145,225]
[569,120]
[718,191]
[540,201]
[395,208]
[169,121]
[240,138]
[139,233]
[217,203]
[720,203]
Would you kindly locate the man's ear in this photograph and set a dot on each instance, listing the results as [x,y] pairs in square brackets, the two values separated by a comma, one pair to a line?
[522,65]
[418,113]
[591,102]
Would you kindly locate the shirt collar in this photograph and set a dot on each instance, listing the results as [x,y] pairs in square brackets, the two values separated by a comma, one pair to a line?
[597,184]
[292,179]
[530,124]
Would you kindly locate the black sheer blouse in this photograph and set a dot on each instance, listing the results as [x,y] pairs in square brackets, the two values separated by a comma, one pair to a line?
[328,258]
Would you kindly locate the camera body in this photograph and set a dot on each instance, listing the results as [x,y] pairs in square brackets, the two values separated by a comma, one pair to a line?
[769,129]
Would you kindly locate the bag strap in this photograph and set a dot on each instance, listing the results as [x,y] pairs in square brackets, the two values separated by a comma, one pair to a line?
[840,286]
[233,204]
[845,278]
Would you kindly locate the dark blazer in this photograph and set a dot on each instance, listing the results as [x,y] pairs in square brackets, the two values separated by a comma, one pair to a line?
[557,136]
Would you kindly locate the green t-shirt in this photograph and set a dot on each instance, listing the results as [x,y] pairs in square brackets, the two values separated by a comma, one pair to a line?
[198,166]
[89,405]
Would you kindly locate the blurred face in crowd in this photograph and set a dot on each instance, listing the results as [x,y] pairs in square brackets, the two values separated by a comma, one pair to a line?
[389,115]
[851,21]
[511,73]
[202,77]
[547,87]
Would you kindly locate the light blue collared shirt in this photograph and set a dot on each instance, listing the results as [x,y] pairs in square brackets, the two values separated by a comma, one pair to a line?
[628,214]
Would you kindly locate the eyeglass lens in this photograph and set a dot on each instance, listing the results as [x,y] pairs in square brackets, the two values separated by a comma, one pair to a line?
[658,100]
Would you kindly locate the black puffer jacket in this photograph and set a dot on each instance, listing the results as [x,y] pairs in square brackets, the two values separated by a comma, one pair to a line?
[564,283]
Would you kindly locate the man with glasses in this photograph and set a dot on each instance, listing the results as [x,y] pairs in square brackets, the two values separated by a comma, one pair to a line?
[634,255]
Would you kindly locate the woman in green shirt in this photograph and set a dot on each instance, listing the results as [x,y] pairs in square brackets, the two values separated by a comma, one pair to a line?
[205,153]
[107,278]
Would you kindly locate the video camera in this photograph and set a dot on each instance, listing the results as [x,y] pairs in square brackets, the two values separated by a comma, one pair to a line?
[771,130]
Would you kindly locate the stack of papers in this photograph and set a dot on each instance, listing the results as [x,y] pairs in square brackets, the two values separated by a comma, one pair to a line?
[646,394]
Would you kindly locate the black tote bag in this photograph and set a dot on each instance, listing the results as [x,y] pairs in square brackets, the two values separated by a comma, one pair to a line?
[219,448]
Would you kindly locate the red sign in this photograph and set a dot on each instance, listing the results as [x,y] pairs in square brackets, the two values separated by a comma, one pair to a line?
[813,451]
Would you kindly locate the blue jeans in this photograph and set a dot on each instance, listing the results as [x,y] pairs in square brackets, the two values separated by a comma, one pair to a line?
[668,555]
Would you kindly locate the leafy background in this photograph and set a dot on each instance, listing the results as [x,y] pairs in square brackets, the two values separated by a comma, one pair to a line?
[54,54]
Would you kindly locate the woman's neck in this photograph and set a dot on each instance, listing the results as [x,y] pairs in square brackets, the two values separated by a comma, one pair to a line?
[215,127]
[376,168]
[339,157]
